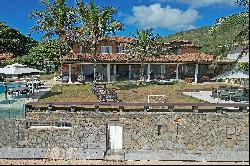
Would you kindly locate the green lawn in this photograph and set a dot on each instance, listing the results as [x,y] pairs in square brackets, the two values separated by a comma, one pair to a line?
[69,93]
[126,92]
[173,92]
[47,76]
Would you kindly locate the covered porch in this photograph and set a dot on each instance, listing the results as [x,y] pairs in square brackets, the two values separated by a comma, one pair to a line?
[109,72]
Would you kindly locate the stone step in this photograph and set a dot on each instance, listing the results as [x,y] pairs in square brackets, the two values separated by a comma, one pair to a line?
[118,155]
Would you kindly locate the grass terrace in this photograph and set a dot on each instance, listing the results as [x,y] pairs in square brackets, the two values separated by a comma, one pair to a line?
[69,93]
[127,92]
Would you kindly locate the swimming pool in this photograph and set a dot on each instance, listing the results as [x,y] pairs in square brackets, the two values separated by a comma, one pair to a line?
[10,85]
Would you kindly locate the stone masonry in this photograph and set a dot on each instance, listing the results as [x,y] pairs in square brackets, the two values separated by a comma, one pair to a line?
[146,136]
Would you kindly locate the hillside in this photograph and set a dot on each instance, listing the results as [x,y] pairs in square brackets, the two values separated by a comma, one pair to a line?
[225,31]
[12,41]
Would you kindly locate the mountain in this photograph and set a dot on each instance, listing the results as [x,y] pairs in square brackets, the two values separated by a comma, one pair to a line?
[13,42]
[225,32]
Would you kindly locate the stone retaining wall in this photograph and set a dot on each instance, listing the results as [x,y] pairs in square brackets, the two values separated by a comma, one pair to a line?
[146,135]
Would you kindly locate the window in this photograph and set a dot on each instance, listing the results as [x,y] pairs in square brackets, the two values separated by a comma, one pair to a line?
[81,49]
[84,49]
[46,125]
[159,129]
[120,49]
[106,49]
[178,51]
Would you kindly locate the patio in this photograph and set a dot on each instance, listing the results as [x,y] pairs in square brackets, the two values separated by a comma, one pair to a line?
[13,106]
[207,97]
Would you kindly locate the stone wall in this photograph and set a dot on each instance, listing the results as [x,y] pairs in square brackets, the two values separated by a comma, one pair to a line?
[146,136]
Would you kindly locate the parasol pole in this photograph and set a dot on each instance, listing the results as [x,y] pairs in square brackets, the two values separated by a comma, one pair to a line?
[217,91]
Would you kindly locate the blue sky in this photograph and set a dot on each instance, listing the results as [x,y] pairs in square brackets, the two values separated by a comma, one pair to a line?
[165,16]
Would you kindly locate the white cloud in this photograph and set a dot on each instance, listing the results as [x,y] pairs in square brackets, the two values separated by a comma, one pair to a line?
[156,16]
[205,3]
[200,3]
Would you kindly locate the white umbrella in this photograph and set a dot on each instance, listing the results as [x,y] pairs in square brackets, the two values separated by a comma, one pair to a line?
[240,74]
[17,69]
[222,76]
[244,58]
[230,75]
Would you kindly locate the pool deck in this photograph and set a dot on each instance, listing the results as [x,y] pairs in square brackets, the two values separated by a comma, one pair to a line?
[17,102]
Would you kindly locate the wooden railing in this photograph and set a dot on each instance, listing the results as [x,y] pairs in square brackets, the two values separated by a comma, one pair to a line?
[144,106]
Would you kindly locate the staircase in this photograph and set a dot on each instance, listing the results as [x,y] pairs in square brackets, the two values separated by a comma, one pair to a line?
[118,155]
[212,67]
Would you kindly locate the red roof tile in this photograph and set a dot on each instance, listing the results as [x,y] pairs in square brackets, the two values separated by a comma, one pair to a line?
[119,39]
[4,56]
[188,57]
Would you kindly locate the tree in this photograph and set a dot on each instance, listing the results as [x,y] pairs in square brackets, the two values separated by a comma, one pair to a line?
[48,50]
[97,21]
[146,45]
[244,33]
[55,20]
[12,41]
[244,3]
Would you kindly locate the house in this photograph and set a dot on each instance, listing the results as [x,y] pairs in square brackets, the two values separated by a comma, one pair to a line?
[113,63]
[4,56]
[237,52]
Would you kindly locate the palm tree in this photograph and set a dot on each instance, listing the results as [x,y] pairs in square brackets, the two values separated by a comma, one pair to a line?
[244,3]
[55,20]
[146,45]
[97,21]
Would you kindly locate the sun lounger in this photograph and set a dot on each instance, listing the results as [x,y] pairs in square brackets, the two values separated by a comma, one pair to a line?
[225,95]
[240,96]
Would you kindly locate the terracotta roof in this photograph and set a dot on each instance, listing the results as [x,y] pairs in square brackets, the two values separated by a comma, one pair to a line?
[4,56]
[119,39]
[190,57]
[125,39]
[181,42]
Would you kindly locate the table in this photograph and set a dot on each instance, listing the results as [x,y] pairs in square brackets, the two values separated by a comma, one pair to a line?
[188,79]
[18,90]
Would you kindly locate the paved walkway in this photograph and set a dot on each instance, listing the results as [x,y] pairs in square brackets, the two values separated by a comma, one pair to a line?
[206,96]
[17,102]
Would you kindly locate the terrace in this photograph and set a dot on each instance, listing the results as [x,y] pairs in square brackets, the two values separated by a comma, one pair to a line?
[132,95]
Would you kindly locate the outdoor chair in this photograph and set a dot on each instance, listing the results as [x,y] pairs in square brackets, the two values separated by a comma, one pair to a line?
[225,95]
[232,92]
[240,96]
[214,93]
[205,79]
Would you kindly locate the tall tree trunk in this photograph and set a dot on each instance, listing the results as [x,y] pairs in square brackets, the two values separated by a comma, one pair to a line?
[95,66]
[142,67]
[61,66]
[142,71]
[94,51]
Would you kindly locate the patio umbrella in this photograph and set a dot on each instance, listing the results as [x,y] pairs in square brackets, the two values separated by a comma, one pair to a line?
[223,75]
[17,69]
[239,75]
[244,58]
